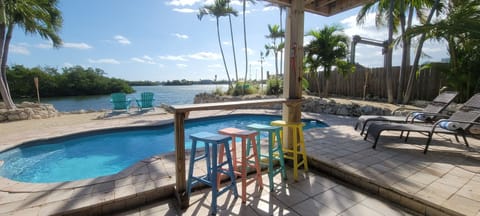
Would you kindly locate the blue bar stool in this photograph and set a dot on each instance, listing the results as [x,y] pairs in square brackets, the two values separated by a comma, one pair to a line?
[275,151]
[213,169]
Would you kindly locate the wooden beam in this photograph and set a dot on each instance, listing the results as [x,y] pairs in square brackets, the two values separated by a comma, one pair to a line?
[323,7]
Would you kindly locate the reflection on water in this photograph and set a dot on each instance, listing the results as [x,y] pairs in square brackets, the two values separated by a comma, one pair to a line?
[163,94]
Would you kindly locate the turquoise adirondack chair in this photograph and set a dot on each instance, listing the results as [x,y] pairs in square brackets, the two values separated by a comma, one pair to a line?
[120,101]
[146,101]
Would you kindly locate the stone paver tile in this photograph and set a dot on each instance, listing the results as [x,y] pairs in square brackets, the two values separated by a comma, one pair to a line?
[124,191]
[409,186]
[436,192]
[59,195]
[6,197]
[384,207]
[351,193]
[471,190]
[313,207]
[27,211]
[310,188]
[360,209]
[268,205]
[133,212]
[289,195]
[423,178]
[165,207]
[453,180]
[462,204]
[10,207]
[462,173]
[335,201]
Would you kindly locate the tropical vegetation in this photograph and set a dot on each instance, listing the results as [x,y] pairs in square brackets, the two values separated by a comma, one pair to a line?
[459,27]
[40,17]
[275,33]
[219,9]
[71,81]
[327,49]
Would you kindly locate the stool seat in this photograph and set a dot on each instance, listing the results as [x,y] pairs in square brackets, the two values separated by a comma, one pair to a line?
[209,137]
[214,169]
[248,140]
[298,145]
[275,151]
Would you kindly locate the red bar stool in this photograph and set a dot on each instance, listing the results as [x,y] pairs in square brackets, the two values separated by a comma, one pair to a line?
[248,138]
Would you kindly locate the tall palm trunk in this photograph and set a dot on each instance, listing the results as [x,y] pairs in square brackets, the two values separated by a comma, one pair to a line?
[281,39]
[405,52]
[223,55]
[245,43]
[233,47]
[5,41]
[6,46]
[411,78]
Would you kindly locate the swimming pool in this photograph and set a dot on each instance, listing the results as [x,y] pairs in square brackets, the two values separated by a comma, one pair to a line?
[106,152]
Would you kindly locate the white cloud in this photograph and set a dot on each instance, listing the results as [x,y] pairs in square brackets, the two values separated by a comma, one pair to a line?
[227,43]
[269,8]
[22,50]
[205,56]
[249,51]
[183,2]
[81,46]
[181,36]
[67,64]
[182,65]
[185,10]
[215,66]
[173,58]
[121,40]
[144,59]
[104,61]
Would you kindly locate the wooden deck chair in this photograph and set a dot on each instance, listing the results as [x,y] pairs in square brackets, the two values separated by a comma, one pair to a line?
[430,113]
[120,101]
[146,101]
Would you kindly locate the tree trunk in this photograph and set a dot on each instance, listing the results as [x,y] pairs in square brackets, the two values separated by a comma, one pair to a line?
[245,42]
[4,42]
[411,78]
[233,48]
[223,56]
[388,56]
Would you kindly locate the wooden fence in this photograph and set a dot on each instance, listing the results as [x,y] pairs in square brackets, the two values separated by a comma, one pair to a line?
[371,83]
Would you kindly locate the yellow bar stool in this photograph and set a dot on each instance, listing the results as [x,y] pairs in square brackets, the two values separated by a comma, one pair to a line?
[298,145]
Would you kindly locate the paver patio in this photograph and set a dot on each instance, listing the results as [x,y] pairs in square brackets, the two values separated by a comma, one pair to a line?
[445,181]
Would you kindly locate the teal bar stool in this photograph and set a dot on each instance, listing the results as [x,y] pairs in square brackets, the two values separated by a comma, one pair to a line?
[275,151]
[213,169]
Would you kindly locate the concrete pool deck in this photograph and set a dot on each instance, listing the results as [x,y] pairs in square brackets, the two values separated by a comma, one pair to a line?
[445,181]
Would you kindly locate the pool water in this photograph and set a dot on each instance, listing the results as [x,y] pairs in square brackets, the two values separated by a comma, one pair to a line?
[102,153]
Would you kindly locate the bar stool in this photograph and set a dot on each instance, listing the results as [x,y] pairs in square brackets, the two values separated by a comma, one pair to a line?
[274,150]
[298,146]
[213,169]
[246,159]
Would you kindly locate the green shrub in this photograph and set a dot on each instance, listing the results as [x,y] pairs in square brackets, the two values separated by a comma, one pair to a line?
[274,87]
[242,88]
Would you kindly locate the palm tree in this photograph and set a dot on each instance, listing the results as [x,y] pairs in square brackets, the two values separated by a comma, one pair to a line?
[233,42]
[244,8]
[35,17]
[274,33]
[218,9]
[401,22]
[460,28]
[328,48]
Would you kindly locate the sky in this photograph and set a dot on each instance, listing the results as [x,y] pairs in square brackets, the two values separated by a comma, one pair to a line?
[160,40]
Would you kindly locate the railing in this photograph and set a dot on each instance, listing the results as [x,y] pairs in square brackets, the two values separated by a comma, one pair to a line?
[181,112]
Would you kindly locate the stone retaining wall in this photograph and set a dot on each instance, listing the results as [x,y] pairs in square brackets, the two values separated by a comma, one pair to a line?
[27,110]
[310,104]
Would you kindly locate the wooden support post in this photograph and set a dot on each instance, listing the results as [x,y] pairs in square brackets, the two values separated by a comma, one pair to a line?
[293,66]
[181,182]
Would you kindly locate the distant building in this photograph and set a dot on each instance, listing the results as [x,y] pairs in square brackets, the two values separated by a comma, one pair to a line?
[206,81]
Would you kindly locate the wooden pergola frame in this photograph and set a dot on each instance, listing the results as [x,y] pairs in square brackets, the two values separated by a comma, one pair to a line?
[293,65]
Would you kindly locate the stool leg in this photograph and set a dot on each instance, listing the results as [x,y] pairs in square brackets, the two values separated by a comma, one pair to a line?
[214,170]
[303,150]
[295,154]
[244,170]
[207,156]
[257,162]
[190,170]
[231,173]
[280,151]
[220,161]
[270,160]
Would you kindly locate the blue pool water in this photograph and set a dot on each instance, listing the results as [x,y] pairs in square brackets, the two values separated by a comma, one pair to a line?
[101,153]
